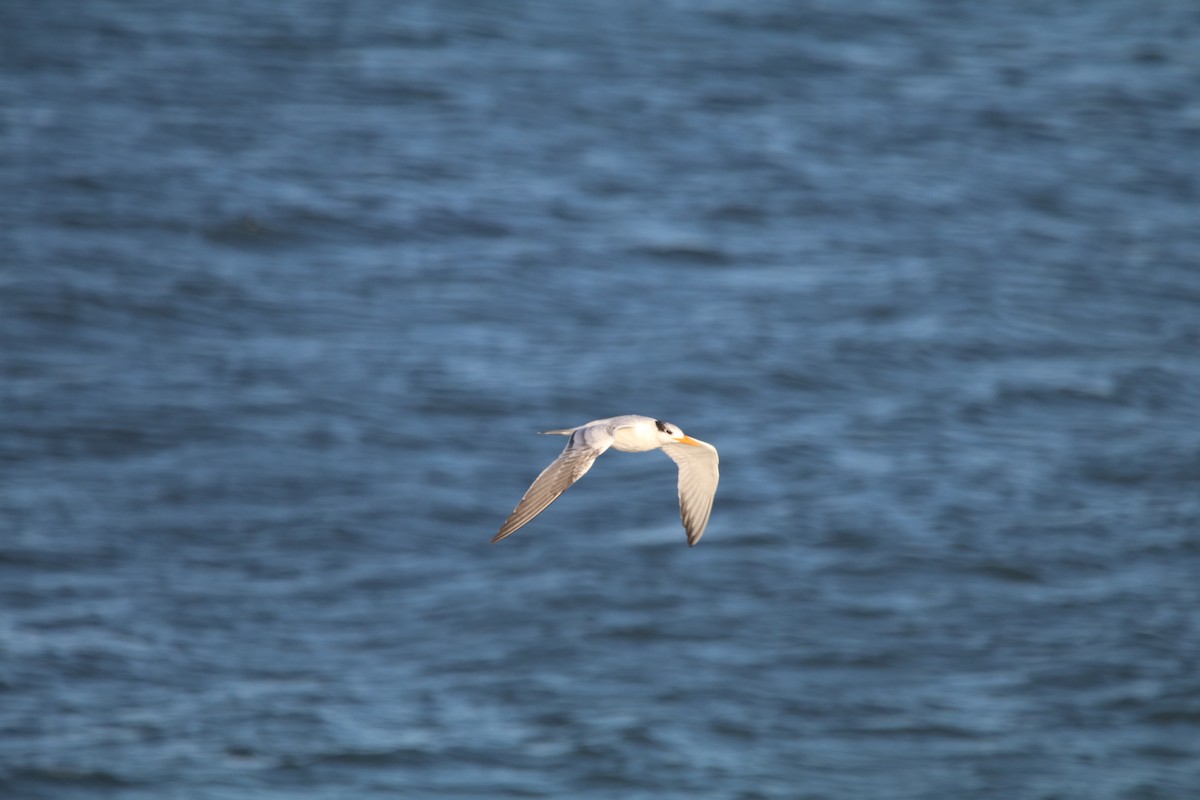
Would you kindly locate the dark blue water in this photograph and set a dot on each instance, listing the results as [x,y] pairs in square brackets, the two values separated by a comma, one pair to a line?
[286,290]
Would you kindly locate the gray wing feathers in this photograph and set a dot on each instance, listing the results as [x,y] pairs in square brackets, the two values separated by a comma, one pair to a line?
[576,459]
[698,476]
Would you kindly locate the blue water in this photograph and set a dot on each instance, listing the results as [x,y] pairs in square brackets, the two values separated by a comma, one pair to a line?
[286,290]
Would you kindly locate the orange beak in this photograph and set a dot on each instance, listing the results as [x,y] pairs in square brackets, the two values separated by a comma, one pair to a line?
[687,440]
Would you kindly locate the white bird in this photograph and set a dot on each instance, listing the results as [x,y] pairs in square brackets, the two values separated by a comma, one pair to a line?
[697,462]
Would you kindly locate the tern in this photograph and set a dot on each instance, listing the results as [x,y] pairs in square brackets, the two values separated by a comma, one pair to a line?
[697,460]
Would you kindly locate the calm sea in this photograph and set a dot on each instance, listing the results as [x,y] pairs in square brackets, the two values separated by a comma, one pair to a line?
[286,290]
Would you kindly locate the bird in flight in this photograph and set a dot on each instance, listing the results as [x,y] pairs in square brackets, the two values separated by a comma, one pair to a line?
[697,460]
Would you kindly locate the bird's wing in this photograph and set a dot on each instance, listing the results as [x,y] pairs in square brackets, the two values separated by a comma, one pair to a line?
[576,459]
[698,476]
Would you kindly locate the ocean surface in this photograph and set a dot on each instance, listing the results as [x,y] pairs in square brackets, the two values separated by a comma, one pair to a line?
[287,290]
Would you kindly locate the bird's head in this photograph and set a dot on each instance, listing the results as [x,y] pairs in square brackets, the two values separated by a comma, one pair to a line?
[668,433]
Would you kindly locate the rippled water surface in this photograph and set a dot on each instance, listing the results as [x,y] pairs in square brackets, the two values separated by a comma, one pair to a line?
[288,288]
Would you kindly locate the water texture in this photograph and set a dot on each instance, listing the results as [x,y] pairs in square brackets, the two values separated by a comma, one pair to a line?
[286,290]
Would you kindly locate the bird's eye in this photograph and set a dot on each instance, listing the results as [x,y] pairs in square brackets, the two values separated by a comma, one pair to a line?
[662,426]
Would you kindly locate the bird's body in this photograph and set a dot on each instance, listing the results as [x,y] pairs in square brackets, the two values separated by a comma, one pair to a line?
[697,460]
